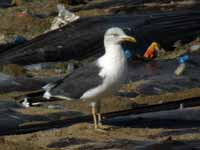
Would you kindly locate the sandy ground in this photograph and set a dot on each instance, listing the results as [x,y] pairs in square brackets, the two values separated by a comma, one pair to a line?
[172,130]
[82,137]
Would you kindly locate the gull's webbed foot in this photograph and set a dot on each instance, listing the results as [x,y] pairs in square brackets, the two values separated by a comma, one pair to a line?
[98,126]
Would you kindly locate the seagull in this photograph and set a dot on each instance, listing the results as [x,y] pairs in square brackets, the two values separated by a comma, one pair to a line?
[98,79]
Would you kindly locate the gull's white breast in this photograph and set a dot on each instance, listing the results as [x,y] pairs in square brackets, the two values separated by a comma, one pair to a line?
[114,70]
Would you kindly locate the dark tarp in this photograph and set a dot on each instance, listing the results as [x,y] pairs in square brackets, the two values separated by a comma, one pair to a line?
[84,38]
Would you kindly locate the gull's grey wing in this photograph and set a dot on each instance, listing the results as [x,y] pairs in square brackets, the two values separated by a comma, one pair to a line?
[78,82]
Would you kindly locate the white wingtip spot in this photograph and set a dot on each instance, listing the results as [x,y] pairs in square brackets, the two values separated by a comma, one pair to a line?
[48,86]
[47,95]
[25,103]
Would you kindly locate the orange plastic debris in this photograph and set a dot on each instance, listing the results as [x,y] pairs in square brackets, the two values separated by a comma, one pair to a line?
[151,51]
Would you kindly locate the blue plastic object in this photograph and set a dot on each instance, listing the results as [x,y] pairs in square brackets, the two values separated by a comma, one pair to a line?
[183,59]
[128,54]
[19,40]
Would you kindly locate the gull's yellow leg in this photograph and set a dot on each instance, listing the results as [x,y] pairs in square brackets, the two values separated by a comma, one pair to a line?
[93,105]
[99,117]
[96,117]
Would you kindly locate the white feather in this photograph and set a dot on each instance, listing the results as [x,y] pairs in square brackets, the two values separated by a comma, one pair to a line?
[113,66]
[114,70]
[47,95]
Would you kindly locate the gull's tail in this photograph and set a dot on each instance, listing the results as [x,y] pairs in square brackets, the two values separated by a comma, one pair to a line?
[48,87]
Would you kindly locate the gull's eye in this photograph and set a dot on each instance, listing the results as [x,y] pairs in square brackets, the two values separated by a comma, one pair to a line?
[115,34]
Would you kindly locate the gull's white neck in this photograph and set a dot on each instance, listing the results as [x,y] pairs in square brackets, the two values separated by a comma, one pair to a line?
[114,51]
[113,62]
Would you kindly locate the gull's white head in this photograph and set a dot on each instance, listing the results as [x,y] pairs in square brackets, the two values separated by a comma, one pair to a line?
[115,36]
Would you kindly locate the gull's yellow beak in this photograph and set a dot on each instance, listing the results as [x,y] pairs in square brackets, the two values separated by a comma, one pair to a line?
[129,39]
